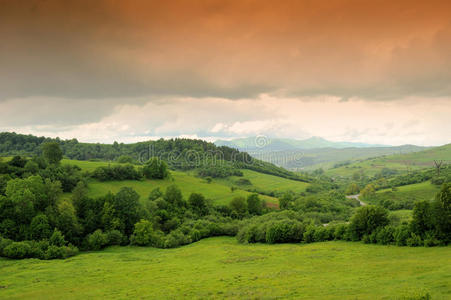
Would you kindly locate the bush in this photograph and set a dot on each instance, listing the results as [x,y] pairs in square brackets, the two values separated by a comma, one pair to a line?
[115,237]
[385,235]
[401,234]
[285,231]
[144,235]
[414,240]
[175,239]
[155,168]
[366,219]
[57,238]
[96,240]
[17,250]
[3,244]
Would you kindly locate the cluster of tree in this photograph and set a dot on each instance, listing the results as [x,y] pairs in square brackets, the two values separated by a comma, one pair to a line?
[117,172]
[320,208]
[154,168]
[47,166]
[221,170]
[430,226]
[179,153]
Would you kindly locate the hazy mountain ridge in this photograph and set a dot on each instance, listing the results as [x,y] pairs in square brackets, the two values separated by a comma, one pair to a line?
[281,144]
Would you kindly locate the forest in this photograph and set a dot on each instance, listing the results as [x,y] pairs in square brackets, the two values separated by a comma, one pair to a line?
[47,213]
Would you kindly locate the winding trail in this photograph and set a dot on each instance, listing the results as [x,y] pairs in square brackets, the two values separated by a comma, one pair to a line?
[357,198]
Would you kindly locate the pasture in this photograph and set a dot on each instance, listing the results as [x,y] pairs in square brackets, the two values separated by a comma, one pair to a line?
[222,268]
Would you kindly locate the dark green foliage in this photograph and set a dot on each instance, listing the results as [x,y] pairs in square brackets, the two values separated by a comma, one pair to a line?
[219,171]
[144,235]
[286,201]
[117,172]
[125,207]
[180,153]
[442,208]
[238,207]
[39,227]
[422,218]
[155,194]
[96,240]
[52,152]
[243,181]
[284,231]
[198,204]
[155,168]
[124,159]
[17,250]
[57,239]
[367,219]
[254,204]
[174,197]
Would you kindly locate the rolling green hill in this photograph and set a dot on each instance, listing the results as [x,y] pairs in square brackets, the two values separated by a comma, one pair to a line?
[218,190]
[402,162]
[274,144]
[221,268]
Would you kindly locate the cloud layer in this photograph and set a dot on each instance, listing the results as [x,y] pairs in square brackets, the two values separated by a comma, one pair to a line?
[373,71]
[231,49]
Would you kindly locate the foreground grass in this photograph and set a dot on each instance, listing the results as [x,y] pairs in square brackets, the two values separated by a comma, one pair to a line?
[222,268]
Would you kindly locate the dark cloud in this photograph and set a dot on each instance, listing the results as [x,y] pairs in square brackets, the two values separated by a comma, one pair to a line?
[106,49]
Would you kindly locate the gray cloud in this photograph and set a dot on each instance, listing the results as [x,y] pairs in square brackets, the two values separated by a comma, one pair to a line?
[93,50]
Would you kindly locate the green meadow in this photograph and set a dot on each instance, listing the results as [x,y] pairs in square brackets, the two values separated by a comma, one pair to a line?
[218,190]
[218,193]
[221,268]
[401,162]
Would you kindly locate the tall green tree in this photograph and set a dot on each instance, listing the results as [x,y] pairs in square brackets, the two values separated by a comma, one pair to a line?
[52,152]
[254,204]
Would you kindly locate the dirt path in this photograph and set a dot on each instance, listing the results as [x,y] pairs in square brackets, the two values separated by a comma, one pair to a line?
[357,198]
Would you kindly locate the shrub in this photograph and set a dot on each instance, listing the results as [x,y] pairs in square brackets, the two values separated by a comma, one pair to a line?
[155,168]
[144,235]
[17,250]
[3,244]
[385,235]
[366,219]
[414,240]
[284,232]
[96,240]
[175,239]
[57,238]
[115,237]
[401,234]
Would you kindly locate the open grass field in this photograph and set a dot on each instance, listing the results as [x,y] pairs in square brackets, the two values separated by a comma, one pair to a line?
[269,182]
[218,193]
[222,268]
[218,190]
[402,162]
[412,192]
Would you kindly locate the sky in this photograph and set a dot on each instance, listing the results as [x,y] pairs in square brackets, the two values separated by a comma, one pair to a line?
[346,70]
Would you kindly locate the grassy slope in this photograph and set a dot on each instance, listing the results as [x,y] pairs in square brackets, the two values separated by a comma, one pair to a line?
[218,190]
[268,182]
[415,192]
[222,268]
[218,193]
[401,162]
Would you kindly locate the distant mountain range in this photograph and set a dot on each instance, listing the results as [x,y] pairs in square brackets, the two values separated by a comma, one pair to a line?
[283,144]
[311,153]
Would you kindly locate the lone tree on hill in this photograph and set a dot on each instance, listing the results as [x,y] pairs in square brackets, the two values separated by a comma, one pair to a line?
[438,165]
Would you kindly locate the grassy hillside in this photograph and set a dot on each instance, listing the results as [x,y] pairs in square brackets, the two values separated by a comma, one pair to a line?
[268,182]
[219,193]
[219,190]
[401,162]
[222,268]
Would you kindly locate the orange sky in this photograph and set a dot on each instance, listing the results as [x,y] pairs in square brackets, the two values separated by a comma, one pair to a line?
[116,50]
